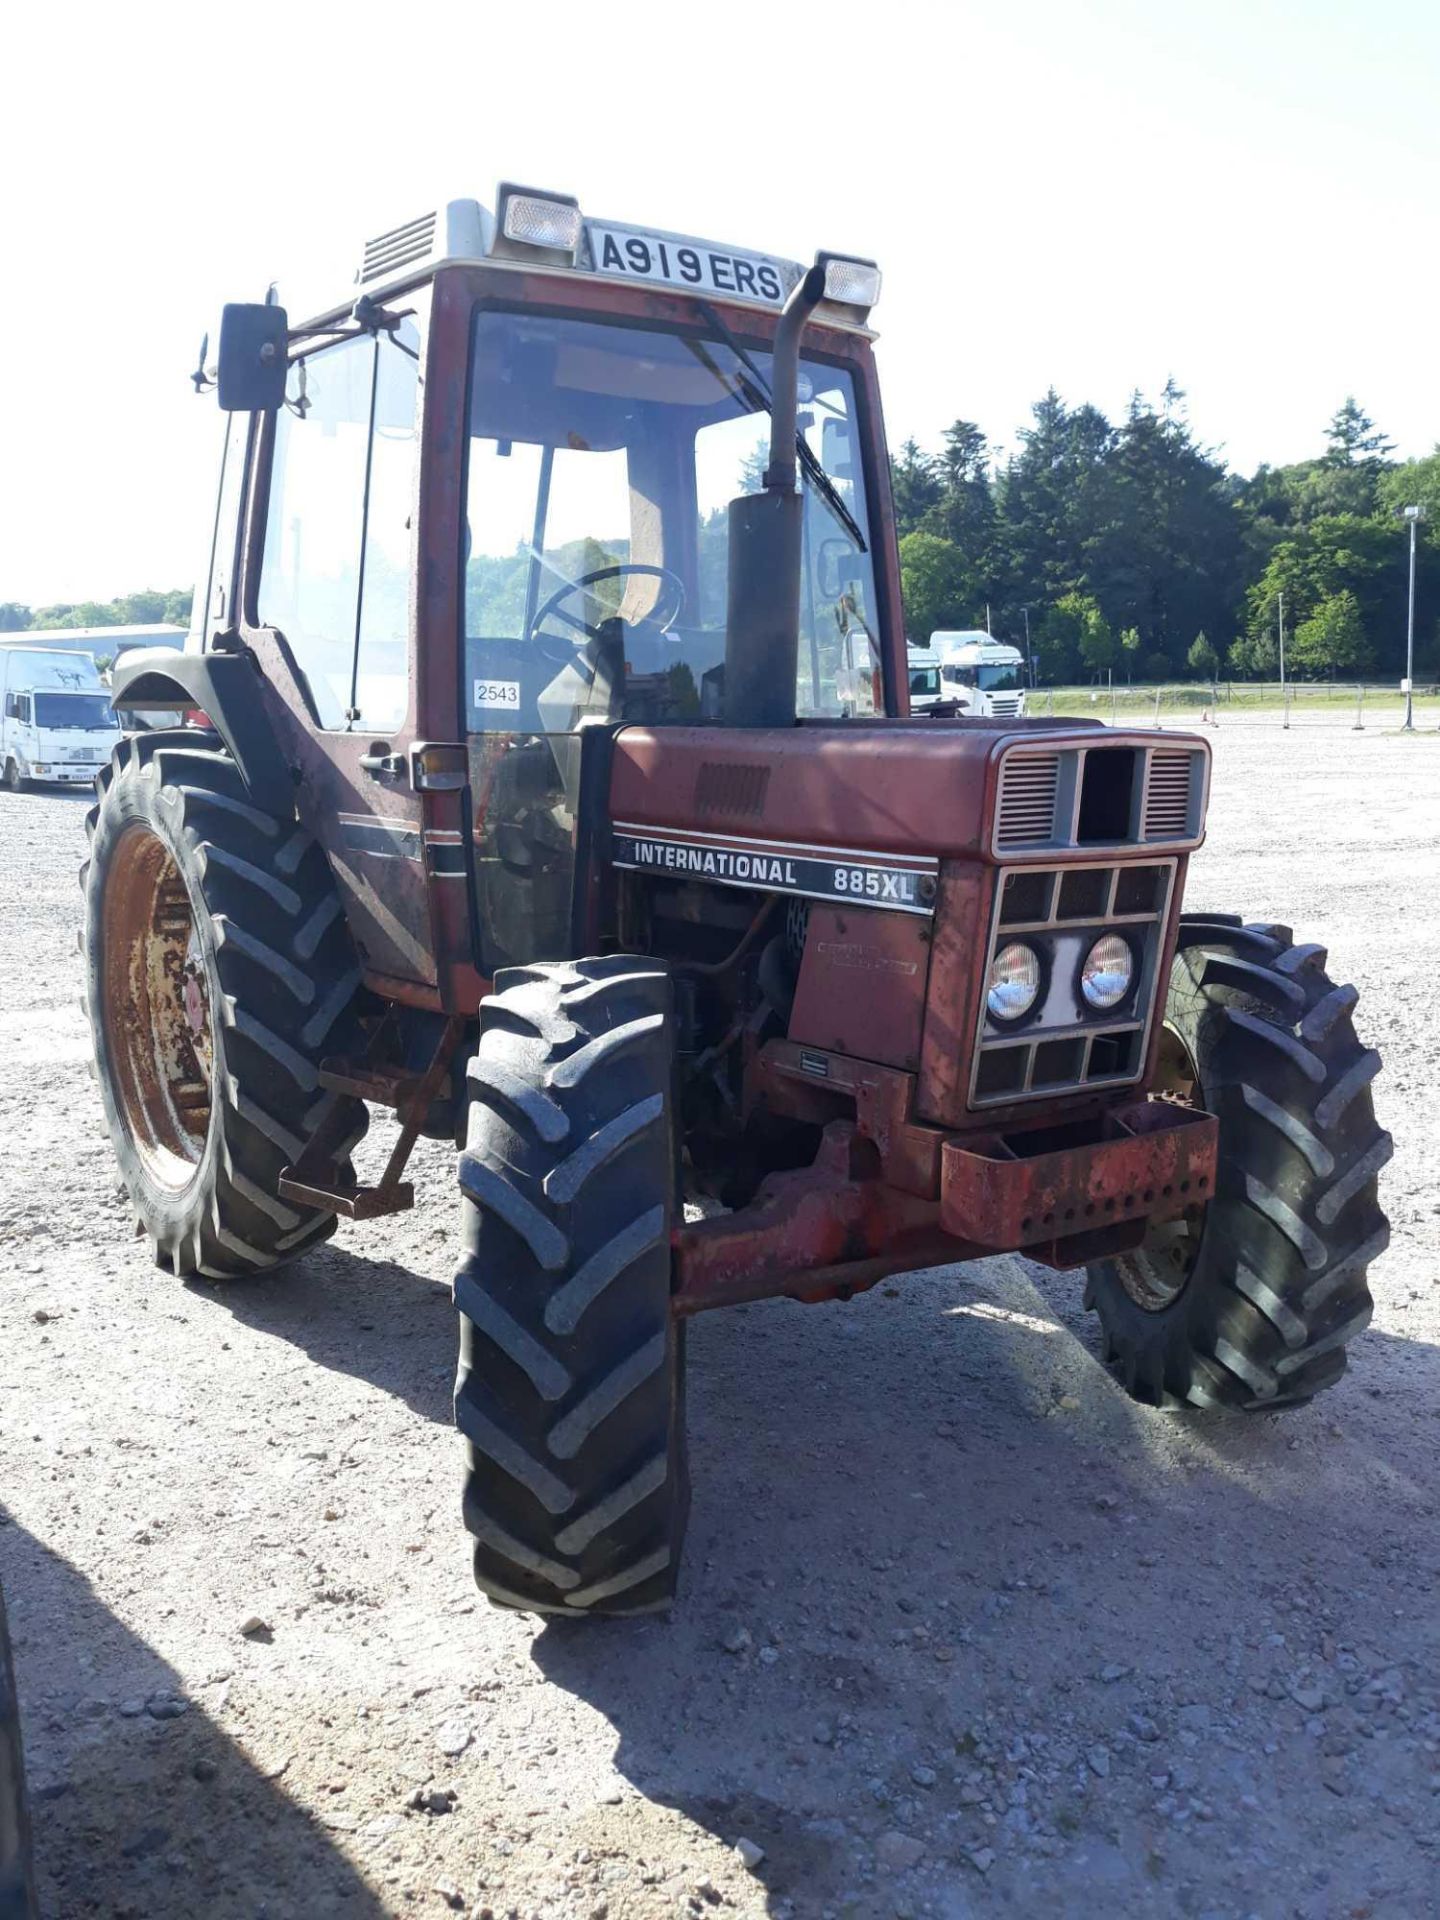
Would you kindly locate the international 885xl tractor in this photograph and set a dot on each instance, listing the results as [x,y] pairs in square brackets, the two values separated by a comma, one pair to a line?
[549,778]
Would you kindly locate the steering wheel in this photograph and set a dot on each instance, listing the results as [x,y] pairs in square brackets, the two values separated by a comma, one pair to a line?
[568,587]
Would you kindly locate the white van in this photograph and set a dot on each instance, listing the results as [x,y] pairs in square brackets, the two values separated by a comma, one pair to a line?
[56,722]
[986,676]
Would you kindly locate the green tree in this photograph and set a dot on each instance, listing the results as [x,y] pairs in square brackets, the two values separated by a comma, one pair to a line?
[1333,638]
[14,617]
[145,609]
[916,486]
[1072,636]
[935,581]
[1055,501]
[1413,483]
[965,512]
[1353,439]
[1203,658]
[1099,647]
[1170,561]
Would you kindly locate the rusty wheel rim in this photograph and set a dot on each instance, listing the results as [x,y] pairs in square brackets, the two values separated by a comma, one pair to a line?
[156,1009]
[1158,1271]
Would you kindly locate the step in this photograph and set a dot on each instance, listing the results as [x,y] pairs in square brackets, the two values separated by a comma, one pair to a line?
[384,1086]
[355,1203]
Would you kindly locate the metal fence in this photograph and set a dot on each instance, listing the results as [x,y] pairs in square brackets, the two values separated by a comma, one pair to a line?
[1225,703]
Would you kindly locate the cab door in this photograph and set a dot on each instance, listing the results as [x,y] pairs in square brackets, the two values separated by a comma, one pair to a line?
[329,613]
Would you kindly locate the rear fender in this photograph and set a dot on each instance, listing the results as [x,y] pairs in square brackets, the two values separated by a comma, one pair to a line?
[227,686]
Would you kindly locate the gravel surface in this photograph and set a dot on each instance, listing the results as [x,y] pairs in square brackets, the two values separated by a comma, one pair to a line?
[963,1631]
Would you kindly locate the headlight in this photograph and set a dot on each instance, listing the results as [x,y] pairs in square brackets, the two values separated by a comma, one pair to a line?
[1014,981]
[1108,972]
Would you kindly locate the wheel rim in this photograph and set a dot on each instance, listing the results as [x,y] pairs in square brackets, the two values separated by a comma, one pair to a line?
[156,1009]
[1157,1272]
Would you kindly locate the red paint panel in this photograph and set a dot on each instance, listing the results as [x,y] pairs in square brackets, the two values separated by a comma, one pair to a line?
[862,984]
[961,923]
[890,787]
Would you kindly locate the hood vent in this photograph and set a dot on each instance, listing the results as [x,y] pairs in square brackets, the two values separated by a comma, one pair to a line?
[730,787]
[1168,786]
[398,248]
[1025,813]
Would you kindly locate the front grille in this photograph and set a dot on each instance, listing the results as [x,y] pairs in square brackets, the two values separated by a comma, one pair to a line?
[398,248]
[1025,810]
[1067,1047]
[1109,790]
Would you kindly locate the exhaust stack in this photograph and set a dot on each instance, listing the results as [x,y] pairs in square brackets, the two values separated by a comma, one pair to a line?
[762,627]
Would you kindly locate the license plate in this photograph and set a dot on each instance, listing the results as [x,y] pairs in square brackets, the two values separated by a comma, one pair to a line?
[672,260]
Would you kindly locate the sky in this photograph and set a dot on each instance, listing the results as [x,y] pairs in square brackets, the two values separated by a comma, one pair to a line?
[1091,194]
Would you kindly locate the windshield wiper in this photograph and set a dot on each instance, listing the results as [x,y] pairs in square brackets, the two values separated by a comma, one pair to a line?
[755,391]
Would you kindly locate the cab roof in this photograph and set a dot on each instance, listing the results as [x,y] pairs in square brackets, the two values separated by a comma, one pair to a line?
[465,232]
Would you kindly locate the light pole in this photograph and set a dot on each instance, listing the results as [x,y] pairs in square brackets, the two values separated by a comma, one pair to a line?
[1412,514]
[1029,657]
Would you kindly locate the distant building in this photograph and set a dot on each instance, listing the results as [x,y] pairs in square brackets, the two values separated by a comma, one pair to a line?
[106,643]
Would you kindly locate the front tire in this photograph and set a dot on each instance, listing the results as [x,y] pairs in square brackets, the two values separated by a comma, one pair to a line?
[14,780]
[218,973]
[1252,1304]
[570,1384]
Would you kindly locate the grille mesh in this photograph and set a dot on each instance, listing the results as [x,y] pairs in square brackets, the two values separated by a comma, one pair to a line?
[1167,794]
[1025,813]
[723,786]
[398,247]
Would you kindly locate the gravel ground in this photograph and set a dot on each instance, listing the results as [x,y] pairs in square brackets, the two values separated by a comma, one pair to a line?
[963,1631]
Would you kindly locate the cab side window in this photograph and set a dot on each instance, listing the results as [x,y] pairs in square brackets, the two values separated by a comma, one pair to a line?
[333,581]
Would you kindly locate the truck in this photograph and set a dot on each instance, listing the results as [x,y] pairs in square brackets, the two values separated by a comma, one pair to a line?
[555,785]
[56,722]
[980,674]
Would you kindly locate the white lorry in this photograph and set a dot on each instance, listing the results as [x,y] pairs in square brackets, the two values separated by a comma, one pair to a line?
[981,675]
[56,722]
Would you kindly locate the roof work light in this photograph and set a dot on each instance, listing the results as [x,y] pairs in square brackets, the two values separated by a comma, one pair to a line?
[532,222]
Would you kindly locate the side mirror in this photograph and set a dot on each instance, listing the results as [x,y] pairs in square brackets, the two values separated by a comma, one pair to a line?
[251,368]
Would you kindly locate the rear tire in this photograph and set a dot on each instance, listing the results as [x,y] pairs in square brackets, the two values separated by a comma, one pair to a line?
[218,973]
[17,1872]
[570,1385]
[1275,1286]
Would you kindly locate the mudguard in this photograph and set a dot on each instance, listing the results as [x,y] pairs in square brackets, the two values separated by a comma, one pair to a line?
[226,686]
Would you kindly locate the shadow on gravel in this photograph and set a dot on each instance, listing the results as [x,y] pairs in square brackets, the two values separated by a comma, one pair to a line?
[380,1322]
[931,1517]
[138,1815]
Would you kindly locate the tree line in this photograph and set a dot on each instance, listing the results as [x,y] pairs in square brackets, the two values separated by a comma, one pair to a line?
[146,609]
[1132,549]
[1128,549]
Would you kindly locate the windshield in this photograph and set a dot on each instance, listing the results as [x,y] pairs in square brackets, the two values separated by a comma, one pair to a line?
[602,460]
[90,712]
[999,679]
[924,680]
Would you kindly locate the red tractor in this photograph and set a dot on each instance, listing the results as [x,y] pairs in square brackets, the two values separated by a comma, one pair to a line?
[551,781]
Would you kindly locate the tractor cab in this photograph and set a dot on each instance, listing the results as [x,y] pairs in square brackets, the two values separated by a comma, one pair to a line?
[491,514]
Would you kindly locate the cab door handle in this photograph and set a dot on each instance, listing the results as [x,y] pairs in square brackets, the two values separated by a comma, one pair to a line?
[382,765]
